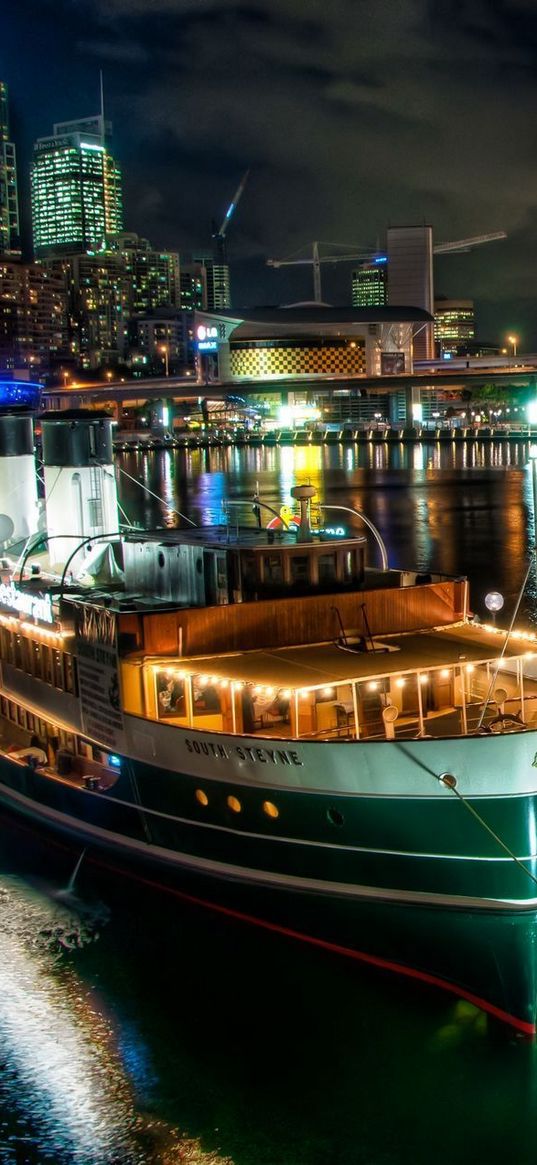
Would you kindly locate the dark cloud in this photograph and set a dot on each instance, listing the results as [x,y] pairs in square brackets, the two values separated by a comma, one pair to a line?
[353,115]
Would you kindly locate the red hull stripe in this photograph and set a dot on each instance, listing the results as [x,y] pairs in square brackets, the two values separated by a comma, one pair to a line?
[522,1025]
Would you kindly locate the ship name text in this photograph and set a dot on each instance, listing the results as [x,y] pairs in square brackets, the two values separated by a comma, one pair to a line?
[264,756]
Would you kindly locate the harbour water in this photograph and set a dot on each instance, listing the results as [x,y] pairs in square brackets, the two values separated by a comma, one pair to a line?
[135,1029]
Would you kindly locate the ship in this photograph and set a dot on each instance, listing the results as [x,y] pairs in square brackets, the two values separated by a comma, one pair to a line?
[271,724]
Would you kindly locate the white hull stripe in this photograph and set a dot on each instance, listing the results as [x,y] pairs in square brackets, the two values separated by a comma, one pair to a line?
[264,878]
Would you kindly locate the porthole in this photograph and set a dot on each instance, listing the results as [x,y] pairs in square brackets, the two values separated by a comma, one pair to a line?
[161,560]
[234,804]
[270,809]
[334,816]
[201,797]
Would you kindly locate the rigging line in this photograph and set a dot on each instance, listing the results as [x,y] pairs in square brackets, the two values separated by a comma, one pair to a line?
[494,835]
[154,495]
[125,516]
[502,653]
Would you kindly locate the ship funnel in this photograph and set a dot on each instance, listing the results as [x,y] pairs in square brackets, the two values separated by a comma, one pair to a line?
[80,483]
[304,494]
[18,485]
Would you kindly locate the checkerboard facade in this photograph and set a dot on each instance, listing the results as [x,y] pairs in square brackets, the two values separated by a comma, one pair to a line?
[298,358]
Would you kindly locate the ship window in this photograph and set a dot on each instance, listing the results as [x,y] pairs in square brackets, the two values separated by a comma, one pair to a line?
[201,797]
[299,568]
[46,663]
[334,816]
[58,668]
[234,804]
[18,651]
[273,568]
[270,809]
[327,567]
[69,673]
[170,696]
[27,655]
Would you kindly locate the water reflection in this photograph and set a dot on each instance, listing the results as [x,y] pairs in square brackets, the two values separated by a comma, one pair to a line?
[69,1076]
[453,507]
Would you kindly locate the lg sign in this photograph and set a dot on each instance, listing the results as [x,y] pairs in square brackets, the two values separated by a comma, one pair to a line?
[207,333]
[207,338]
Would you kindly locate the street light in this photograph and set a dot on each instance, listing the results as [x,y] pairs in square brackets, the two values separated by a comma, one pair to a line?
[514,341]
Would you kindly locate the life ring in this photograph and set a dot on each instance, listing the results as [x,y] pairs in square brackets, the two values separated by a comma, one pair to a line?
[285,518]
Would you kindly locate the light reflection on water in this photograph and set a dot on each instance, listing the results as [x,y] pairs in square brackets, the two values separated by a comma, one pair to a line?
[70,1078]
[455,508]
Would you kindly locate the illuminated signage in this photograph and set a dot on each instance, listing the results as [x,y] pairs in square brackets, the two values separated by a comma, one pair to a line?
[207,338]
[38,607]
[333,532]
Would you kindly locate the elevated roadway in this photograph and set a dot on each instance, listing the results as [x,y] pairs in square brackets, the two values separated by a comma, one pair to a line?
[435,375]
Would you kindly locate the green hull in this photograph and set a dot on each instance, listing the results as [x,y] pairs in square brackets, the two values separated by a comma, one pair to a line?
[451,907]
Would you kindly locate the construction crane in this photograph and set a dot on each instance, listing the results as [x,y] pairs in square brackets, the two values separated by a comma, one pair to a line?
[464,245]
[219,236]
[372,256]
[316,260]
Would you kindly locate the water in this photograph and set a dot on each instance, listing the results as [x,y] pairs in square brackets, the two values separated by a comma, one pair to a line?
[137,1030]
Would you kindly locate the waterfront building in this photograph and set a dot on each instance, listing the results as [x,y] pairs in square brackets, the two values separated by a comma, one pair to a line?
[33,317]
[410,278]
[97,293]
[305,345]
[76,189]
[153,276]
[369,284]
[9,200]
[454,326]
[159,343]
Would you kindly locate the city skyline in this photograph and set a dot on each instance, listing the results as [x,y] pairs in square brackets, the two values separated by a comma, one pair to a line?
[345,134]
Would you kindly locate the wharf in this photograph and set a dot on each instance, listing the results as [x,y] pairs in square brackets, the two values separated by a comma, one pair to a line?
[347,435]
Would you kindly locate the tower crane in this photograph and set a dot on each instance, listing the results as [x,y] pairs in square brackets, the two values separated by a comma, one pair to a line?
[372,256]
[463,245]
[219,236]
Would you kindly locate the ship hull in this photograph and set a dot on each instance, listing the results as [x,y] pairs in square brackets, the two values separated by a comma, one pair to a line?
[435,883]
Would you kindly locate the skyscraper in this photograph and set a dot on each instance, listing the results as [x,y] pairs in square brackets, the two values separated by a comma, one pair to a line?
[454,326]
[9,201]
[410,278]
[76,189]
[369,284]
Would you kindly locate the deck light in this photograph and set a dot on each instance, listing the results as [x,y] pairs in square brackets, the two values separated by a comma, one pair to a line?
[400,683]
[424,679]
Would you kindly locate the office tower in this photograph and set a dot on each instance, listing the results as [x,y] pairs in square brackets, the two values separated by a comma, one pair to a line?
[410,278]
[33,317]
[369,284]
[9,201]
[217,280]
[454,326]
[76,189]
[153,276]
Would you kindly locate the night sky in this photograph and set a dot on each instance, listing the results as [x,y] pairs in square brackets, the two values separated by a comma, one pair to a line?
[352,114]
